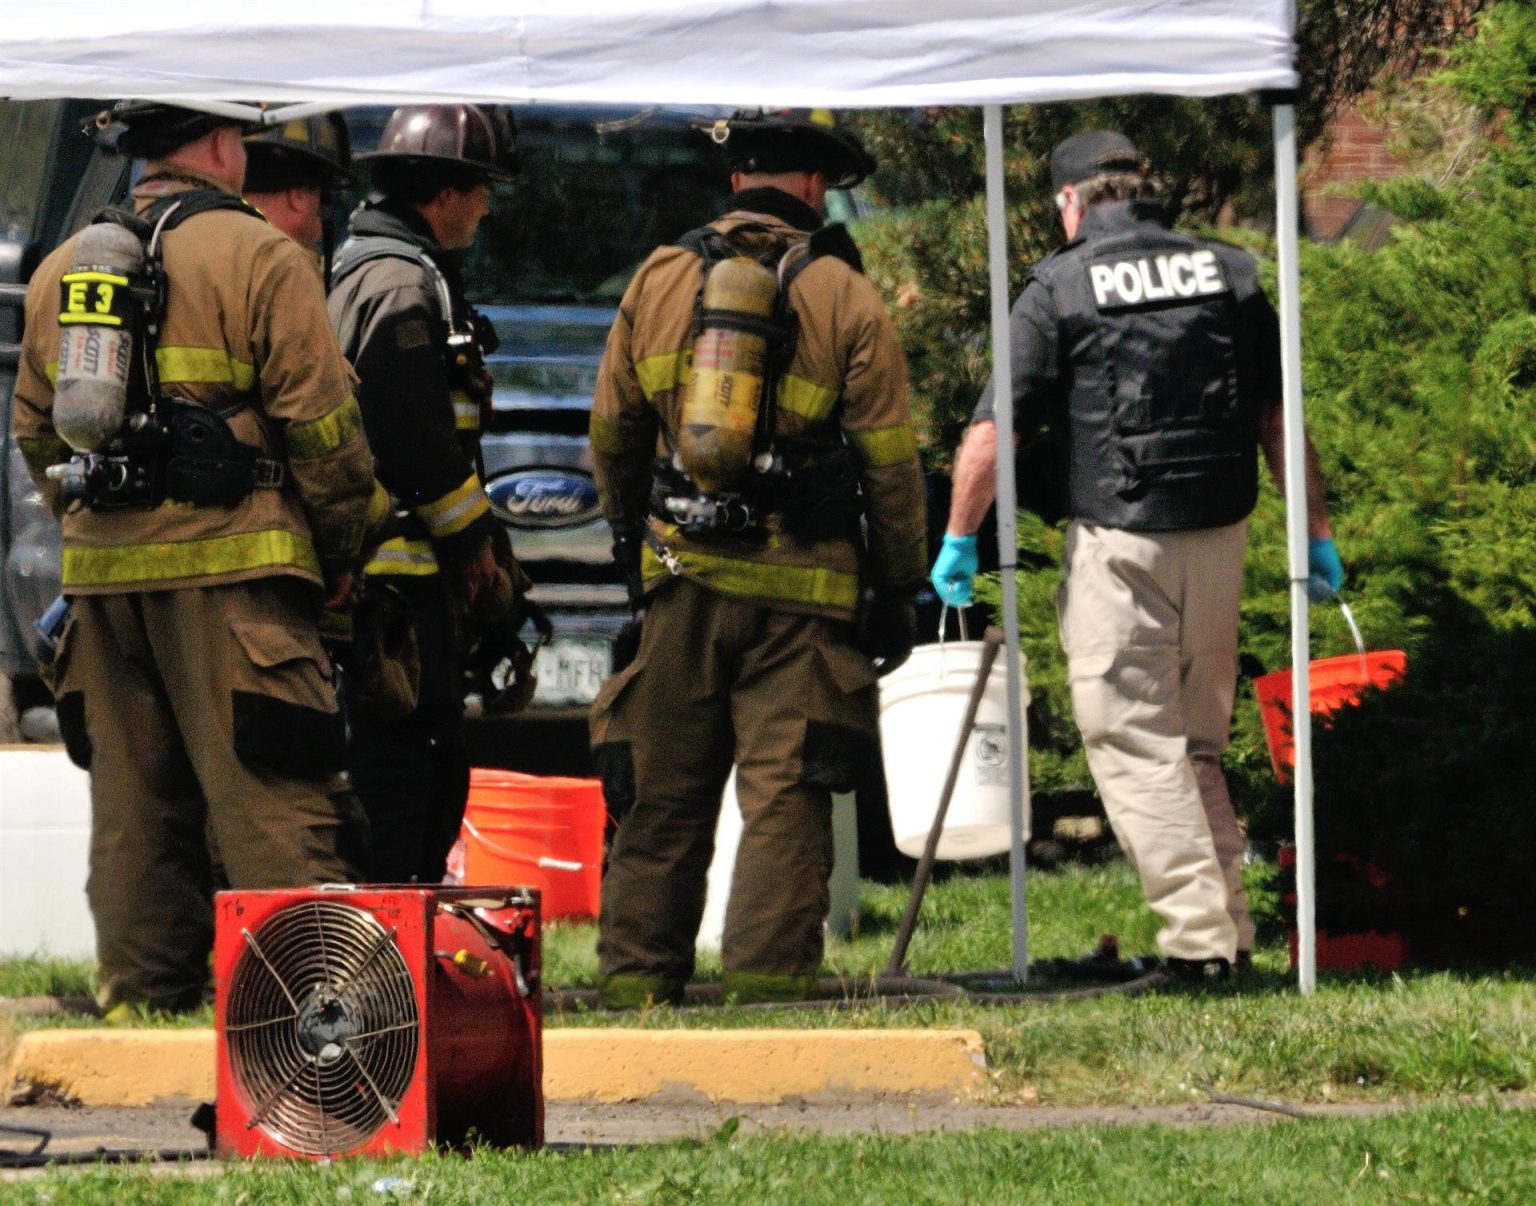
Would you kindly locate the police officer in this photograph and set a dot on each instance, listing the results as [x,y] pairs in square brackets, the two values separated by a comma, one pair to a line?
[1155,359]
[202,533]
[398,304]
[750,570]
[292,171]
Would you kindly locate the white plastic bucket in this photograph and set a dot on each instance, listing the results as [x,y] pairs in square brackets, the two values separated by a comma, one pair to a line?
[45,847]
[922,706]
[843,886]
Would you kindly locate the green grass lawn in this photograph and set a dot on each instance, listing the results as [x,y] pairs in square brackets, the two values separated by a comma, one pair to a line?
[1419,1036]
[1471,1154]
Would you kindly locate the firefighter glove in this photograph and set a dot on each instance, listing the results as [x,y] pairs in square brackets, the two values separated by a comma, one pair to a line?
[890,631]
[953,570]
[627,541]
[1325,572]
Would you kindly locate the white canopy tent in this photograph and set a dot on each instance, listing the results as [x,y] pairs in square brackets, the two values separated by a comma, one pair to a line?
[836,53]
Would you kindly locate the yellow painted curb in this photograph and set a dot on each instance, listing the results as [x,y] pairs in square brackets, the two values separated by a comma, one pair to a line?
[137,1067]
[117,1067]
[757,1066]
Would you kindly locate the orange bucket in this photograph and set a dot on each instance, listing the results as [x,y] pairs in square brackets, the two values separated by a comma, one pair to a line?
[541,830]
[1332,683]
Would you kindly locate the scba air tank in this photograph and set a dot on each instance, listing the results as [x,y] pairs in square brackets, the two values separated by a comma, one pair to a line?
[724,388]
[96,337]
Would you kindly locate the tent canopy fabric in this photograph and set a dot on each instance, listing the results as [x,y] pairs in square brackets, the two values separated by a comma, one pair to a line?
[835,53]
[840,53]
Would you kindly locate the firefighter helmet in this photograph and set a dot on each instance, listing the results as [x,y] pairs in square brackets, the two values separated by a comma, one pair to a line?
[791,140]
[466,136]
[310,152]
[145,129]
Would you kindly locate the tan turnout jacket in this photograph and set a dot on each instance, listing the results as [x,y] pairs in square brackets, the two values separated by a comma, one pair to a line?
[246,327]
[847,376]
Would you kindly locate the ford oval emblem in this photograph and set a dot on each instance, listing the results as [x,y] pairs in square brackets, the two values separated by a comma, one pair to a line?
[544,498]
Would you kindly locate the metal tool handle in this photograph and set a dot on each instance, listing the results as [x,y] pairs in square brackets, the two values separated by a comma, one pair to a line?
[991,643]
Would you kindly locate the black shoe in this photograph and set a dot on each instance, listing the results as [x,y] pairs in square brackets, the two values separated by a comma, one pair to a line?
[1244,964]
[1199,973]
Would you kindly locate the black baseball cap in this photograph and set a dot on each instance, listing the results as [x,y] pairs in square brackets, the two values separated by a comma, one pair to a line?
[1090,153]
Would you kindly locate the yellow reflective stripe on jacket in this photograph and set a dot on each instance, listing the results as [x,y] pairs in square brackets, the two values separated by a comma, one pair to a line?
[886,445]
[805,398]
[799,395]
[201,366]
[168,560]
[663,372]
[456,510]
[466,411]
[606,437]
[401,555]
[41,451]
[311,438]
[379,505]
[787,583]
[204,366]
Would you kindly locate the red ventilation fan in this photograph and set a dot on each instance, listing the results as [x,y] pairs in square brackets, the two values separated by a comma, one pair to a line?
[377,1019]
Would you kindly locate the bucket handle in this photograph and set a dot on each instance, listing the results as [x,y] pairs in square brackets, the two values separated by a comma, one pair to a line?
[944,610]
[1354,631]
[544,861]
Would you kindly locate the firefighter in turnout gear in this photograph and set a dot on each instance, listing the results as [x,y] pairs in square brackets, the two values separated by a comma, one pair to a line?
[215,491]
[398,304]
[292,171]
[1154,358]
[755,457]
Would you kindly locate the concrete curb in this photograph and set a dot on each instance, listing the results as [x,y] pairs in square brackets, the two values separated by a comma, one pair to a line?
[139,1067]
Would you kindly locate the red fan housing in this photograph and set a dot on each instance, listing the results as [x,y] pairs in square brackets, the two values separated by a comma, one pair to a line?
[377,1019]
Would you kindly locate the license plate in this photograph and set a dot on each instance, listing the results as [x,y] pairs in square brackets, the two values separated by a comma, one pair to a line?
[570,670]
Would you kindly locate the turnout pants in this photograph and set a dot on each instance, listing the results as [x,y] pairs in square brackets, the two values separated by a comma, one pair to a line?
[412,773]
[1149,625]
[199,711]
[788,700]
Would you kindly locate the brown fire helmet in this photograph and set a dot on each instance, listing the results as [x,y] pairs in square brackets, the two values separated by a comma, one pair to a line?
[465,136]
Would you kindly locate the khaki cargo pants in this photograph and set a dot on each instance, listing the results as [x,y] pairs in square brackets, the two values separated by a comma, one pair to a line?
[791,703]
[1149,625]
[199,712]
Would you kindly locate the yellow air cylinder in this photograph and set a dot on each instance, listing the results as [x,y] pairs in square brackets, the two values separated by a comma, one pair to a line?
[724,388]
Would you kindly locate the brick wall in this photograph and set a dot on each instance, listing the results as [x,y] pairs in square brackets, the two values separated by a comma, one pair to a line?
[1353,151]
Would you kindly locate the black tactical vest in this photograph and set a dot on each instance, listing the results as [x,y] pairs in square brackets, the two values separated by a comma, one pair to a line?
[1160,433]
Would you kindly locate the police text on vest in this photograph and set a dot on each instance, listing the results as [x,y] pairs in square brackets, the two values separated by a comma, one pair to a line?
[1158,278]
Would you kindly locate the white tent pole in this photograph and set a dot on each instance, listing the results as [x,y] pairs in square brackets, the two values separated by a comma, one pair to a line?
[1287,225]
[1007,522]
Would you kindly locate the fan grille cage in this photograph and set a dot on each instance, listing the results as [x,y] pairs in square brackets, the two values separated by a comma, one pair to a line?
[322,1026]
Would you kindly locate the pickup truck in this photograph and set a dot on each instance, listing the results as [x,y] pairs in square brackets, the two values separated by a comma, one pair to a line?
[597,190]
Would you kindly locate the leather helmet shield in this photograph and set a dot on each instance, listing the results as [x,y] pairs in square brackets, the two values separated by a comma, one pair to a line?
[147,129]
[467,135]
[313,150]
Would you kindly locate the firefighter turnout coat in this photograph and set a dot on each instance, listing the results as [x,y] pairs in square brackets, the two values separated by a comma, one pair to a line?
[423,426]
[241,337]
[847,378]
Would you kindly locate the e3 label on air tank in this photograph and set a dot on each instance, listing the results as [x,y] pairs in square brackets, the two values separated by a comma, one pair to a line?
[1119,282]
[95,298]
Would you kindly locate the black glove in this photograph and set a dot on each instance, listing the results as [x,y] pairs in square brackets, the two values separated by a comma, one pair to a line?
[890,631]
[628,539]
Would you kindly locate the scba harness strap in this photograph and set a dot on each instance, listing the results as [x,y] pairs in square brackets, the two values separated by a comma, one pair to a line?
[782,477]
[470,338]
[169,449]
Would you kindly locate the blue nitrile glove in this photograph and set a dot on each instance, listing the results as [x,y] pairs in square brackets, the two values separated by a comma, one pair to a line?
[1325,572]
[953,570]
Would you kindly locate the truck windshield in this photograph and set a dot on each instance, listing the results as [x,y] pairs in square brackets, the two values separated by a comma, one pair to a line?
[597,190]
